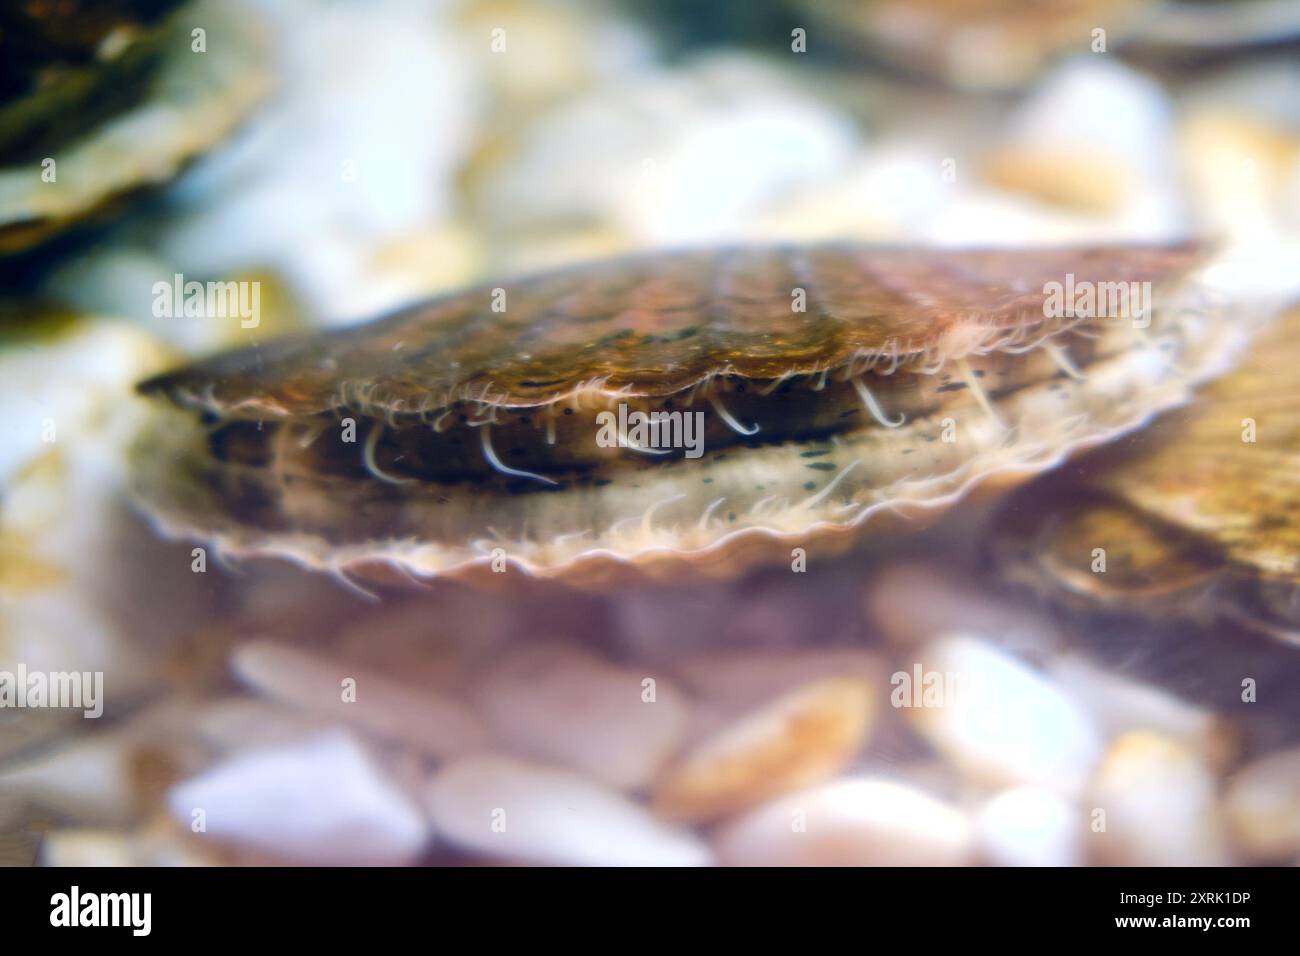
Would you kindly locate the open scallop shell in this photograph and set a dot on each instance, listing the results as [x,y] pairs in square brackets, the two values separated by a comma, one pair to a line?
[462,434]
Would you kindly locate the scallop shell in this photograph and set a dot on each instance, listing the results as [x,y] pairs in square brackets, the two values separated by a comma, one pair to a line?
[192,102]
[1198,516]
[461,434]
[68,66]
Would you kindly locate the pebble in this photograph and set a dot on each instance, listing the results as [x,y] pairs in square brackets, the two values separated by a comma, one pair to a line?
[1095,137]
[564,706]
[1240,146]
[1119,703]
[149,847]
[422,718]
[84,847]
[864,821]
[794,741]
[660,154]
[409,641]
[105,777]
[511,810]
[247,723]
[1262,805]
[914,603]
[746,678]
[1156,800]
[321,801]
[89,780]
[255,205]
[1030,826]
[72,547]
[1000,722]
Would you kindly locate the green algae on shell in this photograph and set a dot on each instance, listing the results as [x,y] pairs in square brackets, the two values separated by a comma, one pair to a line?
[464,430]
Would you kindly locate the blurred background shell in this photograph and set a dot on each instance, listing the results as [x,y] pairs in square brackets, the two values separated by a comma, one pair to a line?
[1195,518]
[100,104]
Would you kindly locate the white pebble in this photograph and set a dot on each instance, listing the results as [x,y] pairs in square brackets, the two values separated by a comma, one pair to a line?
[320,801]
[423,718]
[996,719]
[1098,136]
[1152,803]
[561,705]
[700,124]
[854,822]
[1119,704]
[510,810]
[1263,805]
[1030,826]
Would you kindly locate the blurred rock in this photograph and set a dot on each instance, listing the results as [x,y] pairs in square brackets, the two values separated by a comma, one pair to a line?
[793,741]
[996,719]
[151,846]
[1118,704]
[106,776]
[1030,826]
[1239,143]
[321,801]
[528,55]
[419,717]
[1095,137]
[1155,799]
[1262,805]
[87,586]
[510,810]
[234,724]
[853,822]
[675,156]
[558,704]
[343,185]
[89,781]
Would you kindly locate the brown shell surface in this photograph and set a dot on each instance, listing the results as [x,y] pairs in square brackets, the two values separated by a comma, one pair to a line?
[1197,509]
[659,324]
[939,323]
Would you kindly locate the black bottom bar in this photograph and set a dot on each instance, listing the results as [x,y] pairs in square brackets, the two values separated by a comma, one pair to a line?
[216,906]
